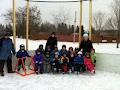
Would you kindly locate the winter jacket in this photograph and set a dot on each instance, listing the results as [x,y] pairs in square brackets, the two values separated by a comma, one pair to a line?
[38,58]
[88,63]
[22,54]
[86,46]
[6,48]
[64,59]
[52,41]
[61,52]
[78,60]
[93,57]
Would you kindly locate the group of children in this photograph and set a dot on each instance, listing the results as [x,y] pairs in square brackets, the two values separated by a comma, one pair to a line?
[60,61]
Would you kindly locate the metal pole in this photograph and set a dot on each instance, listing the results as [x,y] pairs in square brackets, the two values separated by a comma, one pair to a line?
[74,27]
[14,23]
[90,19]
[27,24]
[80,21]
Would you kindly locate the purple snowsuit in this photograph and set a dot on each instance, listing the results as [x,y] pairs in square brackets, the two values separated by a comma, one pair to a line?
[38,59]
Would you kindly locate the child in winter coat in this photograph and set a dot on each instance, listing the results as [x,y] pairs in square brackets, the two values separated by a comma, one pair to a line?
[71,57]
[93,56]
[79,63]
[21,54]
[88,63]
[56,63]
[38,59]
[63,50]
[47,62]
[64,63]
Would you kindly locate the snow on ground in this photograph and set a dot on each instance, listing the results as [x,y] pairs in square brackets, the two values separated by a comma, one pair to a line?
[100,81]
[100,48]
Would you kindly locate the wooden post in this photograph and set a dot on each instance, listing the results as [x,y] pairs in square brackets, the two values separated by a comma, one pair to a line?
[80,21]
[14,23]
[27,24]
[90,19]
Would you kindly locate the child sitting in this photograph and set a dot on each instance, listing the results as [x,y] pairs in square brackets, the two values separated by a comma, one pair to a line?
[47,62]
[38,59]
[88,63]
[21,54]
[93,56]
[79,63]
[64,63]
[56,63]
[63,50]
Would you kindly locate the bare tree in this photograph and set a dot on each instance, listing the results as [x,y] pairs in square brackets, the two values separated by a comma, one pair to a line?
[110,24]
[63,16]
[116,13]
[35,19]
[99,21]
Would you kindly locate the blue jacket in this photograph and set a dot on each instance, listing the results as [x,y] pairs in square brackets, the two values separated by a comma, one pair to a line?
[78,60]
[61,52]
[21,54]
[6,48]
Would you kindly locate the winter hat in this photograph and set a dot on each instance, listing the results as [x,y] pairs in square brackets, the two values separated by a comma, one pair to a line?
[79,52]
[85,35]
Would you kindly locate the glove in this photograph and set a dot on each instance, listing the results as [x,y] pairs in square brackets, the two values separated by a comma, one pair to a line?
[40,62]
[53,64]
[36,61]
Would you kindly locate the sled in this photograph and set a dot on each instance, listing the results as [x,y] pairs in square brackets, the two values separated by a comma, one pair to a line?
[27,70]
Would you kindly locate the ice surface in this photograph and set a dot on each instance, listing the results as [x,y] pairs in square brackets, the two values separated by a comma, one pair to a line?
[100,81]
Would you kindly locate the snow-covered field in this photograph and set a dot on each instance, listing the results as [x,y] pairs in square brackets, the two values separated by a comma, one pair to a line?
[100,81]
[100,48]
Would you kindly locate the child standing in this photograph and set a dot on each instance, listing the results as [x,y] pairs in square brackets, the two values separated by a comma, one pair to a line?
[88,63]
[21,54]
[38,59]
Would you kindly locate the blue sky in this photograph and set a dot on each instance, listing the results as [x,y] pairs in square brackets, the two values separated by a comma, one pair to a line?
[47,9]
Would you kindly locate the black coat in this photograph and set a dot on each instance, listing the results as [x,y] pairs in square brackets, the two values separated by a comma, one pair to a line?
[86,46]
[52,41]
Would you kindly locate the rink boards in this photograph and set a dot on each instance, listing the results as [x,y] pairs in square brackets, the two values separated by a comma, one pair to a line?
[105,62]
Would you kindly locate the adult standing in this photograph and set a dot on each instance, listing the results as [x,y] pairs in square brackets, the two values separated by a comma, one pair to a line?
[86,44]
[6,51]
[52,41]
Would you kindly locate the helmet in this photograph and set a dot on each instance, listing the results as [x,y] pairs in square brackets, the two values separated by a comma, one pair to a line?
[22,46]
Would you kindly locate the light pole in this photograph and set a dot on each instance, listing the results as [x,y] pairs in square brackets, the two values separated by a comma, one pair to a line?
[27,24]
[14,23]
[74,27]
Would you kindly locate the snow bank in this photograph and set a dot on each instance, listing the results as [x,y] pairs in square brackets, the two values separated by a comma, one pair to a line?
[108,48]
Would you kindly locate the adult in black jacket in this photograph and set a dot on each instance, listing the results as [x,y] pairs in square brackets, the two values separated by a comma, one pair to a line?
[86,44]
[52,41]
